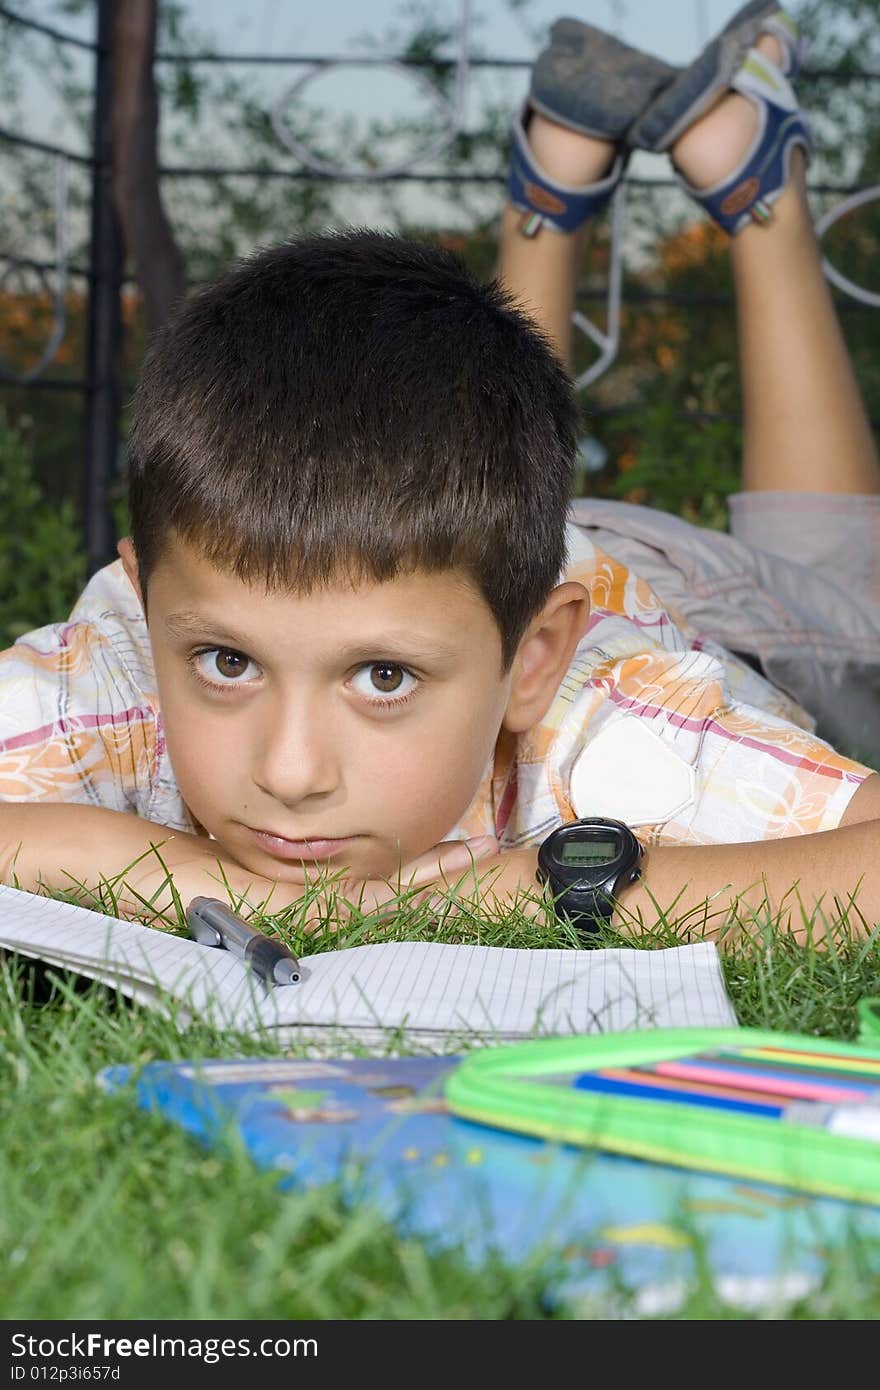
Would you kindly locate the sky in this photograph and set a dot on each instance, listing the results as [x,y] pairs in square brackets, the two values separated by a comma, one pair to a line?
[675,30]
[672,29]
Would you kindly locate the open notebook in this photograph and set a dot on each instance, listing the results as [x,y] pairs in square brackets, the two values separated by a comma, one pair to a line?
[425,991]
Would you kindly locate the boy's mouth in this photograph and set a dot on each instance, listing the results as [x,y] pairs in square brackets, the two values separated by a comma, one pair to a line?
[319,848]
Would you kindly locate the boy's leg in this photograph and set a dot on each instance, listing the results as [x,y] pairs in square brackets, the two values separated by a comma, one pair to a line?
[806,527]
[805,427]
[568,154]
[810,613]
[541,271]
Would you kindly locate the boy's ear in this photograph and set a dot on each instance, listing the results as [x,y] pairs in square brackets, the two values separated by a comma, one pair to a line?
[544,655]
[125,551]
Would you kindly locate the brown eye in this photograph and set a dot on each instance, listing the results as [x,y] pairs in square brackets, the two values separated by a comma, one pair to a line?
[377,679]
[230,664]
[385,677]
[221,666]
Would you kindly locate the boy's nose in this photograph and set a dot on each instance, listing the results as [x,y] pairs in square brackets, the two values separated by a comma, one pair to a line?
[297,755]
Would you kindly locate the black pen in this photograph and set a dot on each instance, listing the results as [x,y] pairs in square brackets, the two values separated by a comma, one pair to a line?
[212,923]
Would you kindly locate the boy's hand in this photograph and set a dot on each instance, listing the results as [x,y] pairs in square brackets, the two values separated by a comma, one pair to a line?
[129,865]
[449,875]
[198,867]
[62,847]
[469,872]
[150,869]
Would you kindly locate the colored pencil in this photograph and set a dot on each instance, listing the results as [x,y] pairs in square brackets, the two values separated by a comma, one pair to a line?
[825,1058]
[867,1068]
[858,1121]
[642,1077]
[777,1083]
[871,1062]
[609,1085]
[749,1061]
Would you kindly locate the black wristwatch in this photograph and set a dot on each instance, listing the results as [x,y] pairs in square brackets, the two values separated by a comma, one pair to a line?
[585,864]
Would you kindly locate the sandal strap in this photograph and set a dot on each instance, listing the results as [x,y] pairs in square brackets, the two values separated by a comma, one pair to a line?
[559,206]
[748,193]
[794,47]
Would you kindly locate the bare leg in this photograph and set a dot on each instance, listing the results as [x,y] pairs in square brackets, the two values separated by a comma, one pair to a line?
[540,272]
[805,424]
[805,427]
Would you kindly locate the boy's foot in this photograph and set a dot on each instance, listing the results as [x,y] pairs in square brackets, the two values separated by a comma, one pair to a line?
[735,160]
[559,179]
[717,142]
[696,88]
[592,82]
[568,151]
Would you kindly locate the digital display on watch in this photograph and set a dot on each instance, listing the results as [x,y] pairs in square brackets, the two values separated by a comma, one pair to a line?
[586,863]
[583,853]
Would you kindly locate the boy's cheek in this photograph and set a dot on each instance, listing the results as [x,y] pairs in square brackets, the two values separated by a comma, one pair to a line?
[407,794]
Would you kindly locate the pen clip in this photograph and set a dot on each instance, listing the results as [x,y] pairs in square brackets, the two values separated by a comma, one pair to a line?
[202,931]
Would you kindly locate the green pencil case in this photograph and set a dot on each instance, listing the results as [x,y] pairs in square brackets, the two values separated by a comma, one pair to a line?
[546,1089]
[869,1021]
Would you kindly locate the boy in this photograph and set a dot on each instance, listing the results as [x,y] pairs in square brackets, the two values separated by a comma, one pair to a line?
[340,638]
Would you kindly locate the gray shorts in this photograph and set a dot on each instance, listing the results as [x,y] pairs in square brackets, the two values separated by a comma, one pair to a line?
[794,587]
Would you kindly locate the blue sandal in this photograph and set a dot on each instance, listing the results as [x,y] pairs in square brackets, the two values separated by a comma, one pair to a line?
[697,87]
[543,201]
[747,194]
[590,82]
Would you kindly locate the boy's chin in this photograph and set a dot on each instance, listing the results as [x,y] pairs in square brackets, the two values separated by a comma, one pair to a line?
[360,864]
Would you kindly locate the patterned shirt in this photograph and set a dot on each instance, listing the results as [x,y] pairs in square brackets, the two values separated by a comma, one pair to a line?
[653,724]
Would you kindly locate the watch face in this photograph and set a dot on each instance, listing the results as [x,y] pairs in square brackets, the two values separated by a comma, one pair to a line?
[584,862]
[581,851]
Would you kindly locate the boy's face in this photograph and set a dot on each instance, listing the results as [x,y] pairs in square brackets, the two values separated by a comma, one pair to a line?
[348,726]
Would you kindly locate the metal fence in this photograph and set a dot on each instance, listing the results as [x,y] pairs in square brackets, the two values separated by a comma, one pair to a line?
[104,274]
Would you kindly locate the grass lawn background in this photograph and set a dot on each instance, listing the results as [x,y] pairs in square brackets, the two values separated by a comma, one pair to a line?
[109,1212]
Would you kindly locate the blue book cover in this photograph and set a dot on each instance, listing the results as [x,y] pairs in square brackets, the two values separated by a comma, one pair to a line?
[380,1128]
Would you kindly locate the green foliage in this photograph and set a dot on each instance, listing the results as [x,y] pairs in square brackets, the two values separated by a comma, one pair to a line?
[686,464]
[42,564]
[844,42]
[214,114]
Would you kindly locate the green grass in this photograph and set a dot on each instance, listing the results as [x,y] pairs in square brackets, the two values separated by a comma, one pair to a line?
[110,1212]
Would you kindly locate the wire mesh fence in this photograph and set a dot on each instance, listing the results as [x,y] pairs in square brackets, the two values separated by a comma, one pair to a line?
[71,332]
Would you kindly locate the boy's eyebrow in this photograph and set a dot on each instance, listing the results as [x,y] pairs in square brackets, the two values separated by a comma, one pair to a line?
[188,624]
[403,643]
[412,646]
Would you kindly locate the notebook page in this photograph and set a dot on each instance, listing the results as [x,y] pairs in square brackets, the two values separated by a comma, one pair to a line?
[142,962]
[425,989]
[432,989]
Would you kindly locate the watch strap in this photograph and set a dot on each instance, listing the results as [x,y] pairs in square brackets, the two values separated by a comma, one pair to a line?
[589,906]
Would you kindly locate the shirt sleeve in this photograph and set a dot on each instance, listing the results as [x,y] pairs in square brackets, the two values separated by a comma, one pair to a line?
[73,726]
[670,733]
[659,741]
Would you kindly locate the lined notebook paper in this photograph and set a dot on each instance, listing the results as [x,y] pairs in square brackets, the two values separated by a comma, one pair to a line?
[426,990]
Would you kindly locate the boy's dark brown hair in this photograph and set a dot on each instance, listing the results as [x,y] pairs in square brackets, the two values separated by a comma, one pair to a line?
[358,404]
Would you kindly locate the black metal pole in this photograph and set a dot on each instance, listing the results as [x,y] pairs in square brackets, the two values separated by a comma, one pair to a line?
[104,340]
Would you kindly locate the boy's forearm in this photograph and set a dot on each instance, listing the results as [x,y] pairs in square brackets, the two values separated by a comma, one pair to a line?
[149,868]
[51,846]
[56,845]
[708,884]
